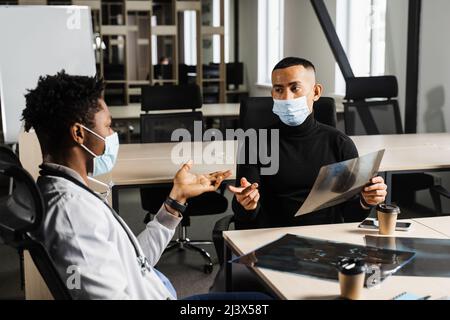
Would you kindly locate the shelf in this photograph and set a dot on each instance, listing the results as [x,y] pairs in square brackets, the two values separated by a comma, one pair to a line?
[165,81]
[108,30]
[164,30]
[211,31]
[143,42]
[188,6]
[138,82]
[138,6]
[213,80]
[93,4]
[116,81]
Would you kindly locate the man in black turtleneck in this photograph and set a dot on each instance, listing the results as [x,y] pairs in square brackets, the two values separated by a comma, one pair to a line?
[305,146]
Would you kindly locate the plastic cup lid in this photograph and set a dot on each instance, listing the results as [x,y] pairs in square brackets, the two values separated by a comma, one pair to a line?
[388,208]
[349,266]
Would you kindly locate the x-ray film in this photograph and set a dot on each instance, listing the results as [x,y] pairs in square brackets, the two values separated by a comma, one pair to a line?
[339,182]
[432,255]
[319,258]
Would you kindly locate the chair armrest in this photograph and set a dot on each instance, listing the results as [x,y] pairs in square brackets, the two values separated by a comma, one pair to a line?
[221,226]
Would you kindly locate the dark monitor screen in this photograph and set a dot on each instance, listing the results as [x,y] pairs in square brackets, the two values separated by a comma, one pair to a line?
[235,73]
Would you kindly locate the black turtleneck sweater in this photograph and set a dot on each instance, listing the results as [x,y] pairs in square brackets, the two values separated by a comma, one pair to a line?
[303,151]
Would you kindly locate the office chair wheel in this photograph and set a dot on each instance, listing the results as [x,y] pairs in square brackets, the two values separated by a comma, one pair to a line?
[208,268]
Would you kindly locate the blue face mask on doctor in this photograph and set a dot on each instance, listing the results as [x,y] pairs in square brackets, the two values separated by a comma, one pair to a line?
[104,163]
[292,112]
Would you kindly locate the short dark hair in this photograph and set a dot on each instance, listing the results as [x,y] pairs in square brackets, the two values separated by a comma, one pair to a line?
[293,61]
[58,102]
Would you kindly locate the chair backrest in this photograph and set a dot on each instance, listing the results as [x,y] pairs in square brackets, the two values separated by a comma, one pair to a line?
[163,72]
[372,117]
[21,212]
[371,107]
[158,128]
[325,111]
[186,96]
[256,112]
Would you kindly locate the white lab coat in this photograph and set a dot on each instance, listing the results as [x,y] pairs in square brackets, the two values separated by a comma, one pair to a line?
[80,233]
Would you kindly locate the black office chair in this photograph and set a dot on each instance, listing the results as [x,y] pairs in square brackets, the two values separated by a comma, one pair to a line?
[163,72]
[256,113]
[21,211]
[158,128]
[171,97]
[371,108]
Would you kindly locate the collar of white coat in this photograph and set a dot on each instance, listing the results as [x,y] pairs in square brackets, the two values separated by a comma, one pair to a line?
[63,169]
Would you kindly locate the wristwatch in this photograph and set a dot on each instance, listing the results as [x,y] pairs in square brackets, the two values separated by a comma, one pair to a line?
[176,205]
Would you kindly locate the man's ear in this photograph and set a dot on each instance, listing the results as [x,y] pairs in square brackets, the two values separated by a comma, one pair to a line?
[77,133]
[318,90]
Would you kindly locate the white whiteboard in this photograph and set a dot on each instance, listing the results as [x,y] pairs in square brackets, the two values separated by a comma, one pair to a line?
[36,41]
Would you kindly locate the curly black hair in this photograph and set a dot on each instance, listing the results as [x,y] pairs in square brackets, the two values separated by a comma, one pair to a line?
[58,102]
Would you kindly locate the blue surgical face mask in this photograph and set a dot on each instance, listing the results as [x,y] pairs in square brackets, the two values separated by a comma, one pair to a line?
[292,112]
[104,163]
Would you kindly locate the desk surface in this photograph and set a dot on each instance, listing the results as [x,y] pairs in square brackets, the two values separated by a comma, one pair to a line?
[133,111]
[151,163]
[140,164]
[439,224]
[408,152]
[297,287]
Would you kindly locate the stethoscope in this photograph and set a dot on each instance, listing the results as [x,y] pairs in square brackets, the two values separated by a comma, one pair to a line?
[141,258]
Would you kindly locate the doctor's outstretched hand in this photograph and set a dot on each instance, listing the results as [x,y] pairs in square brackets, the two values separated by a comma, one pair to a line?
[189,185]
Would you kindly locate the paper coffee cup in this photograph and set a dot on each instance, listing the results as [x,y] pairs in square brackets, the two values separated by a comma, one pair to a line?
[387,218]
[352,274]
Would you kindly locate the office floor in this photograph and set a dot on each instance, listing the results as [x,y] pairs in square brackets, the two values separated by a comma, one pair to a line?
[184,269]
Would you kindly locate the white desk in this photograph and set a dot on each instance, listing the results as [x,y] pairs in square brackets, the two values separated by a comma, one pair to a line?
[403,153]
[438,224]
[146,164]
[408,153]
[133,111]
[218,110]
[297,287]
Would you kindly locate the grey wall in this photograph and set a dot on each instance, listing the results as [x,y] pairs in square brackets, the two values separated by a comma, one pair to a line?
[303,37]
[248,43]
[434,78]
[434,84]
[396,44]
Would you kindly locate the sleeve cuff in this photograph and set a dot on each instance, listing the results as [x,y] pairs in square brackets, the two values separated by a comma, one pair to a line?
[167,219]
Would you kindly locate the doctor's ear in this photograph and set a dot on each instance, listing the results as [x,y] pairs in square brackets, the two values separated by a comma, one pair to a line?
[318,90]
[77,133]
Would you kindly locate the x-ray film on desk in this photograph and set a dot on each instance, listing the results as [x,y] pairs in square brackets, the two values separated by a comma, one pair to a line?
[339,182]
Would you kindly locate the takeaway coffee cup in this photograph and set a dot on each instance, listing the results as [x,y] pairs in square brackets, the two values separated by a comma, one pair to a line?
[352,274]
[387,218]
